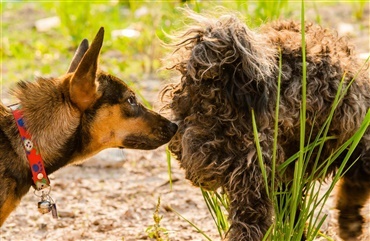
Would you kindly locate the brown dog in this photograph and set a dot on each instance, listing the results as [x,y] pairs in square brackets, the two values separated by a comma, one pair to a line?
[71,118]
[227,70]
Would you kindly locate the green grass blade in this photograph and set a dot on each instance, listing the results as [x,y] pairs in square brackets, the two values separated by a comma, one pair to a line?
[214,203]
[276,127]
[168,157]
[259,153]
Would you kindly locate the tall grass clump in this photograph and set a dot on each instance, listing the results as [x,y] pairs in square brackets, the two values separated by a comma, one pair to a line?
[302,193]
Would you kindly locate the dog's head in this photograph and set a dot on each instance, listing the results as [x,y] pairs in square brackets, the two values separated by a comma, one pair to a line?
[225,73]
[111,111]
[87,110]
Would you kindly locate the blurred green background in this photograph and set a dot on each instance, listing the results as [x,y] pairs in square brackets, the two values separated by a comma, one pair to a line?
[38,38]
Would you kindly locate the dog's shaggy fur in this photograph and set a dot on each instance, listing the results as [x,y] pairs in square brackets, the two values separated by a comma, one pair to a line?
[226,71]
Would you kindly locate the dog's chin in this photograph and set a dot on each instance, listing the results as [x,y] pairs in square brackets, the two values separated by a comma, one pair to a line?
[143,143]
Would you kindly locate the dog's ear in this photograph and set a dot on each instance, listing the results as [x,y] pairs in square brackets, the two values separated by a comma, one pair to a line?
[81,50]
[83,85]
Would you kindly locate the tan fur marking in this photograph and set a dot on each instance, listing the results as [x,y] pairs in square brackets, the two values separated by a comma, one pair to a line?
[110,128]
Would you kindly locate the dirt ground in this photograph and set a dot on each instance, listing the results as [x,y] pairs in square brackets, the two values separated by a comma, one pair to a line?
[113,196]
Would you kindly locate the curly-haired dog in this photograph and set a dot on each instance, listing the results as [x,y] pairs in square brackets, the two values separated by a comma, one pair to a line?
[226,71]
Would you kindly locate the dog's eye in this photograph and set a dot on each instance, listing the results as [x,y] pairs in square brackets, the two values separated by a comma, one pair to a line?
[132,100]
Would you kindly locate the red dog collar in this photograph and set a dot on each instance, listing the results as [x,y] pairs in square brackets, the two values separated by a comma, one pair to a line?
[39,175]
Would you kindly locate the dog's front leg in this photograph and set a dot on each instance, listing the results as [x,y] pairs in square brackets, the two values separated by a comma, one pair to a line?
[250,208]
[8,200]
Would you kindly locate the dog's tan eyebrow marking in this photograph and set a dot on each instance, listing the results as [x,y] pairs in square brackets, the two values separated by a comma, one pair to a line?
[109,129]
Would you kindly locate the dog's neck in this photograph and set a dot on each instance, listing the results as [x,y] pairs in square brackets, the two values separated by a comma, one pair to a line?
[49,118]
[39,176]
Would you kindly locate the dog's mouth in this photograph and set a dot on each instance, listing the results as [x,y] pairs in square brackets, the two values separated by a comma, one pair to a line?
[143,143]
[151,139]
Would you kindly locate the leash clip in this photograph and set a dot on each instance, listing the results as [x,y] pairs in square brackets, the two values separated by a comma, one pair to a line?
[46,204]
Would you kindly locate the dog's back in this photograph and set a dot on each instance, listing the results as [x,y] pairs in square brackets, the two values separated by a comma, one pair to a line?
[330,62]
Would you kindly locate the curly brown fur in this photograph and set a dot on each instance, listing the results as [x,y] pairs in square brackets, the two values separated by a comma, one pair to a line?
[226,71]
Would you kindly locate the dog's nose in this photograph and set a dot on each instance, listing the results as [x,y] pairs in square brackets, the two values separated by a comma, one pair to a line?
[173,127]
